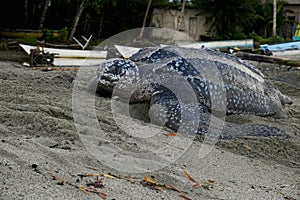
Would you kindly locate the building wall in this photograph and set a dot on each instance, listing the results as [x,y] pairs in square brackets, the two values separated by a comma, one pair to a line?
[293,5]
[293,1]
[296,11]
[193,25]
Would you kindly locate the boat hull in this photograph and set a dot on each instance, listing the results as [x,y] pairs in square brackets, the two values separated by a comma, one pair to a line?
[221,45]
[127,51]
[71,57]
[286,53]
[69,53]
[20,33]
[279,48]
[76,62]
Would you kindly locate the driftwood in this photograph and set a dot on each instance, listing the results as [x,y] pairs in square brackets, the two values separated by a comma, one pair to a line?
[260,58]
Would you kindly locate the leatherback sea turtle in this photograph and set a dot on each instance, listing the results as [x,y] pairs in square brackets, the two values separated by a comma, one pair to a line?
[187,88]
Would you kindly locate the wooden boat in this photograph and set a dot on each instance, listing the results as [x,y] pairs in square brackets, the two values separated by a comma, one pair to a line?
[69,57]
[21,33]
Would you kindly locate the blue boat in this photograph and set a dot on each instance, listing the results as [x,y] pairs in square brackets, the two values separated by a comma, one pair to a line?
[285,46]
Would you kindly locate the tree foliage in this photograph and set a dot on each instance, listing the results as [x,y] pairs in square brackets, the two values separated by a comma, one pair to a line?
[263,24]
[229,19]
[232,19]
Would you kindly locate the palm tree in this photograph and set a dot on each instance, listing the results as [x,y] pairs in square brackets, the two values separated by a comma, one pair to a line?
[96,5]
[263,24]
[145,18]
[229,19]
[44,13]
[99,6]
[76,18]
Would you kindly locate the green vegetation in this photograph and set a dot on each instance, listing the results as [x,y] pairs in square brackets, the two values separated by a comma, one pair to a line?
[28,40]
[51,35]
[270,40]
[229,19]
[232,19]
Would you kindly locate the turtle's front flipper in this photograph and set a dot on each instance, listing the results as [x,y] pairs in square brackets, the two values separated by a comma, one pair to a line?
[194,118]
[167,110]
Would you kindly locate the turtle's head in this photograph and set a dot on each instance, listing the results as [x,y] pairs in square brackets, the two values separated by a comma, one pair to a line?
[114,71]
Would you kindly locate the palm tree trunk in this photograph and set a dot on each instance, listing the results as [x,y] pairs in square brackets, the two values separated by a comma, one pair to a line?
[181,15]
[32,14]
[100,24]
[25,12]
[76,20]
[274,17]
[44,13]
[145,18]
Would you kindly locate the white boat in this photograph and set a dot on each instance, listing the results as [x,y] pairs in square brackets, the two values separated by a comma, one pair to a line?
[224,44]
[76,62]
[126,51]
[286,52]
[248,44]
[70,57]
[68,53]
[284,48]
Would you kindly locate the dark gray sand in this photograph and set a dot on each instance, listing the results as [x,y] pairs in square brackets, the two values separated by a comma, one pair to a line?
[39,140]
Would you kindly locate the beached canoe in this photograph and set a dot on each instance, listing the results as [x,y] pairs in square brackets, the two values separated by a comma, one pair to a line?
[221,45]
[21,33]
[281,48]
[70,57]
[68,53]
[127,51]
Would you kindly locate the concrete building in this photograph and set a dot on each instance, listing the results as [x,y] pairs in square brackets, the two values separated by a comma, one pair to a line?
[194,23]
[293,5]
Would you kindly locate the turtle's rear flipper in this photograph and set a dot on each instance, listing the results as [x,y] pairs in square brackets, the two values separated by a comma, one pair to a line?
[261,130]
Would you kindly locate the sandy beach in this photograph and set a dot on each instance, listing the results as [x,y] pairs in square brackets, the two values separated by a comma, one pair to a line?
[44,157]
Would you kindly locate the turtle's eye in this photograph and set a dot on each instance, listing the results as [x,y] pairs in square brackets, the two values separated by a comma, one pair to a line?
[118,70]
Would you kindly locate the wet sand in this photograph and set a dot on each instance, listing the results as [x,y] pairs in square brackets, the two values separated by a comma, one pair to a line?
[39,140]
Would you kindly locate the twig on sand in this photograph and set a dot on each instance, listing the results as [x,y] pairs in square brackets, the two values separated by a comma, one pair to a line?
[146,182]
[87,190]
[285,196]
